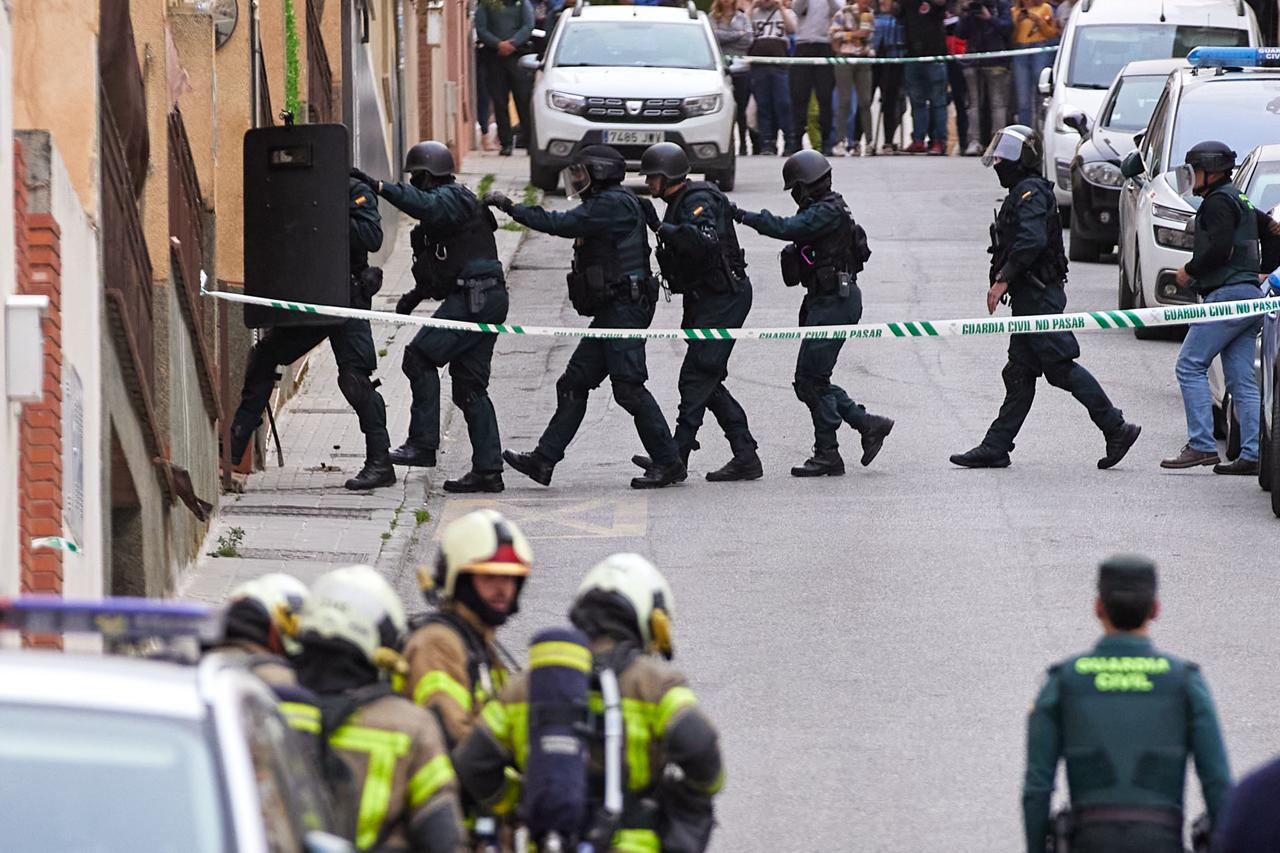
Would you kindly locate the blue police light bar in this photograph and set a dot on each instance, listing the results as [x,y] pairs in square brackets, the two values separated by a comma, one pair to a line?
[115,618]
[1234,57]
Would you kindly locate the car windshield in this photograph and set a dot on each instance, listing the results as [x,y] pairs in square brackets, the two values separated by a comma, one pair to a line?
[1135,98]
[73,781]
[1099,51]
[634,44]
[1264,186]
[1241,112]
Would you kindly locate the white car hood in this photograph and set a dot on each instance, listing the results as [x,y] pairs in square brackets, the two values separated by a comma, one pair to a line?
[634,82]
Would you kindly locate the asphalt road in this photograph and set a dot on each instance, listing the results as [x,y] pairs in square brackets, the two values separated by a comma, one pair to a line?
[869,644]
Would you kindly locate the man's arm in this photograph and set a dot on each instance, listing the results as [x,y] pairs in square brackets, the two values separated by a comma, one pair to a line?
[1003,19]
[1031,237]
[809,222]
[1044,746]
[1206,745]
[438,679]
[696,233]
[486,36]
[526,25]
[437,211]
[570,223]
[485,761]
[433,813]
[365,220]
[1218,219]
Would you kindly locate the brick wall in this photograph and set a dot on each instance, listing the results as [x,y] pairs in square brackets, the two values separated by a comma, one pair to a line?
[40,436]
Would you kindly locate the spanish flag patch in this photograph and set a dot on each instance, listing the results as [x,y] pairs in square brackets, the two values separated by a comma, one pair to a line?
[359,199]
[1026,195]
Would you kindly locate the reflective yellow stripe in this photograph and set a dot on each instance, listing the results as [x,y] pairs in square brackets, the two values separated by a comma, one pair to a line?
[715,786]
[637,718]
[431,778]
[441,682]
[510,798]
[676,699]
[519,714]
[495,717]
[383,748]
[301,716]
[636,841]
[569,655]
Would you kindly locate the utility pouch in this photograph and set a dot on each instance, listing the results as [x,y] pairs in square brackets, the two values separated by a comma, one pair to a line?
[475,289]
[844,284]
[669,265]
[580,293]
[792,265]
[650,288]
[369,282]
[826,281]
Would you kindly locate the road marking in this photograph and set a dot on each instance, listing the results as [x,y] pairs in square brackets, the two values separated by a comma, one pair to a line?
[562,518]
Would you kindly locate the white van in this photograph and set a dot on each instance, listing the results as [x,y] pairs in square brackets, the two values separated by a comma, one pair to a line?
[1102,36]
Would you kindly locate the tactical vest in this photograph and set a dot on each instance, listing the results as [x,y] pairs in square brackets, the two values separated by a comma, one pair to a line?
[617,258]
[1245,260]
[439,258]
[1050,267]
[1124,729]
[828,263]
[717,272]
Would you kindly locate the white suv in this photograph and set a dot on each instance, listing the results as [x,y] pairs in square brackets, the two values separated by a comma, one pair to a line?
[629,77]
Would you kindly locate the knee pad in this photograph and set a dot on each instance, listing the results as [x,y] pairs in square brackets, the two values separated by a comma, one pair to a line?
[416,364]
[808,389]
[1017,376]
[628,394]
[570,387]
[355,386]
[465,391]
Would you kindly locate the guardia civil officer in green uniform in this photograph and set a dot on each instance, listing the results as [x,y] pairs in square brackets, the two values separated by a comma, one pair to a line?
[823,252]
[611,282]
[1124,716]
[700,259]
[1029,266]
[455,260]
[352,343]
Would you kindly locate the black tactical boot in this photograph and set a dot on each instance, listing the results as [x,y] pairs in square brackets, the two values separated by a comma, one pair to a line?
[823,463]
[534,466]
[418,457]
[475,481]
[377,471]
[661,475]
[240,437]
[1118,444]
[982,456]
[873,437]
[744,465]
[641,461]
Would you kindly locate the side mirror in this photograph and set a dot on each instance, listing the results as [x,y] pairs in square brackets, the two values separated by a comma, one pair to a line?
[736,67]
[1139,137]
[325,842]
[1046,81]
[1077,121]
[1132,166]
[530,62]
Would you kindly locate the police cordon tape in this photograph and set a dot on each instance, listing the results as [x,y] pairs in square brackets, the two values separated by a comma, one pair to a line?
[889,60]
[1135,318]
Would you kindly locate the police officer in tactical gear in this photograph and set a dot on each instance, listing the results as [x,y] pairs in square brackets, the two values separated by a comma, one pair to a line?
[352,344]
[351,629]
[1124,716]
[700,259]
[455,260]
[610,282]
[624,606]
[1029,266]
[826,253]
[454,664]
[1224,266]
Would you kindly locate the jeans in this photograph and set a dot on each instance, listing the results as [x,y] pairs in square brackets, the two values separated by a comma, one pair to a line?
[1026,76]
[773,105]
[927,88]
[851,79]
[989,91]
[1234,341]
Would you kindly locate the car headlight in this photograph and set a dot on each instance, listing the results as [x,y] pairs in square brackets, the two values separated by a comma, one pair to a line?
[701,105]
[566,103]
[1173,214]
[1064,110]
[1102,174]
[1175,238]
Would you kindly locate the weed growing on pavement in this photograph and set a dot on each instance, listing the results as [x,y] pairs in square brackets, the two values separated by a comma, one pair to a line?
[382,353]
[229,543]
[485,184]
[532,195]
[421,517]
[386,536]
[512,226]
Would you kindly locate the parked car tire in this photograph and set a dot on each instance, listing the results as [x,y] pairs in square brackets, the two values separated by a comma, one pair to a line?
[1273,455]
[1231,421]
[1266,477]
[726,179]
[1124,295]
[1080,248]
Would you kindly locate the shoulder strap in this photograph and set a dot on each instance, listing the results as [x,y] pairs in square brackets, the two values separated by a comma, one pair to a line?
[477,652]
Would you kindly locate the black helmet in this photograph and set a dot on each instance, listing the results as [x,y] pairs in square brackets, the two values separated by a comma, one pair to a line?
[665,159]
[1212,156]
[805,168]
[603,163]
[431,157]
[1016,143]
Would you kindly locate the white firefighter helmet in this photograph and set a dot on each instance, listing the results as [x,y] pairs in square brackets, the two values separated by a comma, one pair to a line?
[641,585]
[482,542]
[281,596]
[355,604]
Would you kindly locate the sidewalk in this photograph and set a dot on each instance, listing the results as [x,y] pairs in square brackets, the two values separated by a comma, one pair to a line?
[298,518]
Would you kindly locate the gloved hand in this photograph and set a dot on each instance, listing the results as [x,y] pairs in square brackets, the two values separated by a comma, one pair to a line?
[737,213]
[405,304]
[360,176]
[666,230]
[498,200]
